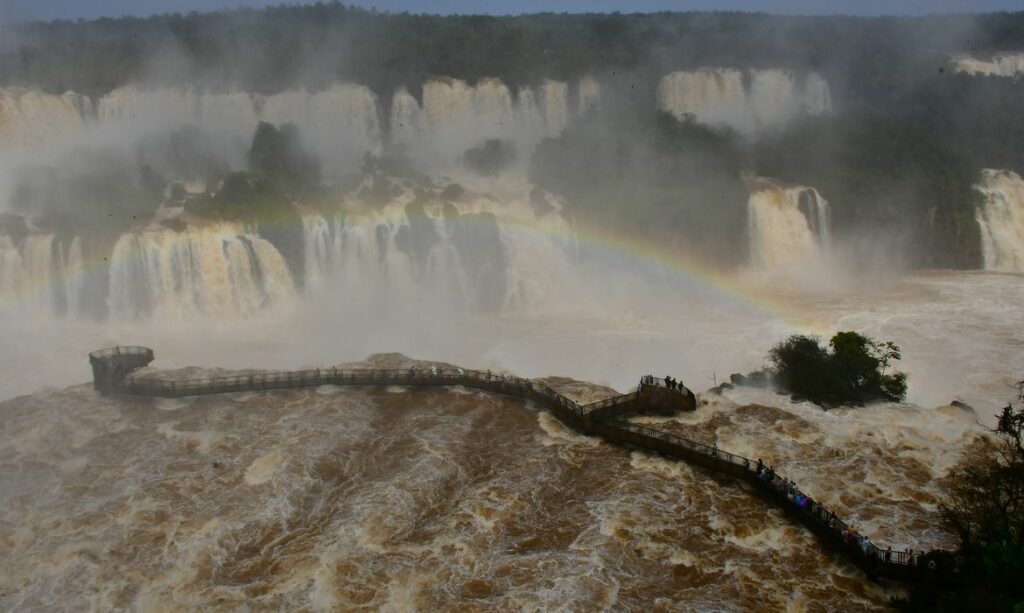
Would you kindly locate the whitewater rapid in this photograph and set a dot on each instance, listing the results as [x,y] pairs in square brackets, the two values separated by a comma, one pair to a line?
[432,499]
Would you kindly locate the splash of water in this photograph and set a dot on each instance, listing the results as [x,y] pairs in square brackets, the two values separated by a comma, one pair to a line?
[1001,220]
[220,271]
[788,225]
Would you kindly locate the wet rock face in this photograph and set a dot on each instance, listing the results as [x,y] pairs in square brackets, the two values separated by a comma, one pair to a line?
[419,236]
[477,239]
[288,239]
[13,226]
[539,202]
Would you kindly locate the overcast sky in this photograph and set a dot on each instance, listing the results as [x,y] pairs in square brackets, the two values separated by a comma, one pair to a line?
[23,10]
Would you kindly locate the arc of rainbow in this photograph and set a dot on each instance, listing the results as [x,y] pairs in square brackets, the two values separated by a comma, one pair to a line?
[618,244]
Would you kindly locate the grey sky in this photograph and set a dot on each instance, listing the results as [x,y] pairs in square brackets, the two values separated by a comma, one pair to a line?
[22,10]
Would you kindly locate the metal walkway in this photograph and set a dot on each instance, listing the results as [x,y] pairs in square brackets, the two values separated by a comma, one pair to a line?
[113,373]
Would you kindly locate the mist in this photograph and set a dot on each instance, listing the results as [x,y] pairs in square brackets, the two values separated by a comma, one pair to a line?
[426,191]
[590,201]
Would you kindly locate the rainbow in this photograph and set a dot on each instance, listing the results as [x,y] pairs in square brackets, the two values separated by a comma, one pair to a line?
[619,245]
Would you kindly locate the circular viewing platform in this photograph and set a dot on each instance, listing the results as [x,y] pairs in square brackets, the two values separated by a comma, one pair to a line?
[111,365]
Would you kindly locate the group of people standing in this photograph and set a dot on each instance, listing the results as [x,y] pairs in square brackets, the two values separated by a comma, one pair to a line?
[807,504]
[670,383]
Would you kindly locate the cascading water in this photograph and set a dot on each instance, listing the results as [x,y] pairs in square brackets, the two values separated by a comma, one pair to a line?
[42,262]
[456,115]
[490,252]
[817,95]
[589,96]
[406,120]
[30,118]
[12,270]
[494,254]
[1001,220]
[788,225]
[219,271]
[555,102]
[720,96]
[39,275]
[710,95]
[773,98]
[998,65]
[341,122]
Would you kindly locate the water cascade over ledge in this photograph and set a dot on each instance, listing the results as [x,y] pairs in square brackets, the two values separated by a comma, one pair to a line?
[1001,220]
[788,225]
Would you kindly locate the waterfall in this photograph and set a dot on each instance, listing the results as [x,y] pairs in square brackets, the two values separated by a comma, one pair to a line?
[589,96]
[998,65]
[492,255]
[41,261]
[555,103]
[773,97]
[719,96]
[1001,220]
[341,122]
[12,271]
[406,119]
[74,278]
[456,116]
[817,95]
[528,115]
[492,249]
[710,95]
[788,225]
[29,118]
[40,275]
[219,271]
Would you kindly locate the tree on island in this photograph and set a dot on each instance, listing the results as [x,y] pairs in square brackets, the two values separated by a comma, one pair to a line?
[984,506]
[278,156]
[852,369]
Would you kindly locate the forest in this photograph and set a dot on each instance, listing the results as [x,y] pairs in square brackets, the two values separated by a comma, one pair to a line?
[312,46]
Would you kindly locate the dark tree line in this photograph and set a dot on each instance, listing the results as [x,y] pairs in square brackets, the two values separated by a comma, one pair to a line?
[314,45]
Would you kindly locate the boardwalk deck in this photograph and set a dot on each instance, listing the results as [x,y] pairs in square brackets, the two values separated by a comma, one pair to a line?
[112,369]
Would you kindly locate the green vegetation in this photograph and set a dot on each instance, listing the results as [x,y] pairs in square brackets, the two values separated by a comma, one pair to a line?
[490,157]
[280,171]
[97,192]
[678,182]
[984,506]
[278,157]
[851,370]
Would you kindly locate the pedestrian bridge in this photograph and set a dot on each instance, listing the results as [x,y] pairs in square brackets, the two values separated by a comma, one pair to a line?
[113,372]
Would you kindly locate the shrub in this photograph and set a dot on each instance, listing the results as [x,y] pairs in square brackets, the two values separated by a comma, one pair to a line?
[851,370]
[984,506]
[278,157]
[490,157]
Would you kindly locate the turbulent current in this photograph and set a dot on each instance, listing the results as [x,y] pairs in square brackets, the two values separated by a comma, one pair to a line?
[411,499]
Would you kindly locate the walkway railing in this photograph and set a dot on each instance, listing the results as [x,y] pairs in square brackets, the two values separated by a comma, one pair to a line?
[125,350]
[874,560]
[766,479]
